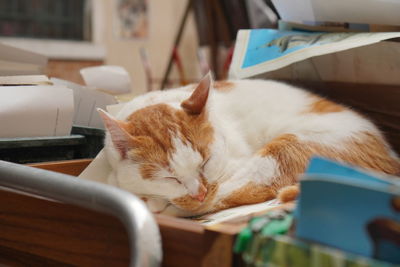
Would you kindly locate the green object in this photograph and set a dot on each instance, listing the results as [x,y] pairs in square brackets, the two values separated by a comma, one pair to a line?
[242,240]
[278,227]
[284,251]
[273,223]
[264,243]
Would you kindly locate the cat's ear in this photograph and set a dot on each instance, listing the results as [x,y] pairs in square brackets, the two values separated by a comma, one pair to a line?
[197,101]
[121,139]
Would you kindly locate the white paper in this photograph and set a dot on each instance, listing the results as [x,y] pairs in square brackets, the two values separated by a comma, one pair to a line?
[353,41]
[86,102]
[30,111]
[99,169]
[113,80]
[357,11]
[25,80]
[15,61]
[295,10]
[353,11]
[374,64]
[233,213]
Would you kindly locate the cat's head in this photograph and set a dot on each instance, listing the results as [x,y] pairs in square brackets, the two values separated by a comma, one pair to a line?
[162,151]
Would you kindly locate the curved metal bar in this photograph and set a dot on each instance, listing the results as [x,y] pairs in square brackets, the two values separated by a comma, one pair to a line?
[138,221]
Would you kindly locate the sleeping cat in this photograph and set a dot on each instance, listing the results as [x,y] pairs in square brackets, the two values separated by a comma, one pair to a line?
[216,145]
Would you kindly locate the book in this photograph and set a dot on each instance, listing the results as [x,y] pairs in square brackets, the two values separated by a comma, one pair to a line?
[351,209]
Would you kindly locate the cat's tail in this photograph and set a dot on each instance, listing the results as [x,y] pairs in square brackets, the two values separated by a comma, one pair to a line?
[289,193]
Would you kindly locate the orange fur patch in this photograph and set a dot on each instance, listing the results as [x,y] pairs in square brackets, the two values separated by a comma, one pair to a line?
[197,131]
[223,86]
[367,151]
[153,128]
[371,152]
[291,155]
[322,105]
[249,194]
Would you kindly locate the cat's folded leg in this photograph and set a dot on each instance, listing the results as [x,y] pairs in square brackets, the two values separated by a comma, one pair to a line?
[293,154]
[275,167]
[249,184]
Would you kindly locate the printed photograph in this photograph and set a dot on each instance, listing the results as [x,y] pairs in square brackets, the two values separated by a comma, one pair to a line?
[131,19]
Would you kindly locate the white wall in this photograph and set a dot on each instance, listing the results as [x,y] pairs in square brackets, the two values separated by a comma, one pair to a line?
[164,19]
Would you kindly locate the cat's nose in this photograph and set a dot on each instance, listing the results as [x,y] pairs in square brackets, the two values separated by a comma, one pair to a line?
[201,195]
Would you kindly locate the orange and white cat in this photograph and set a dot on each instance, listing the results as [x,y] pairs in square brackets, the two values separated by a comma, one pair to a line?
[215,145]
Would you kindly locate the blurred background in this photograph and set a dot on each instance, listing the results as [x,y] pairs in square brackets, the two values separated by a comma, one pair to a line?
[160,43]
[60,60]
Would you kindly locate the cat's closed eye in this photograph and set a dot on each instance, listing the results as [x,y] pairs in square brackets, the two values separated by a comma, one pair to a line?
[204,163]
[174,179]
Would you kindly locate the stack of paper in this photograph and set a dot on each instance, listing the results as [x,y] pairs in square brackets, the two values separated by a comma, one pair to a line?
[15,61]
[31,106]
[86,102]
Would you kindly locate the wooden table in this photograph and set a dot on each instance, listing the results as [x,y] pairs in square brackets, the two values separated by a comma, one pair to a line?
[41,232]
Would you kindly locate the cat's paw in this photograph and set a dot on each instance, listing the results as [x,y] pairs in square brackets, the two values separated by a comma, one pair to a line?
[289,193]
